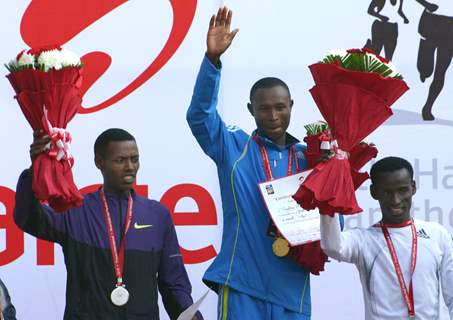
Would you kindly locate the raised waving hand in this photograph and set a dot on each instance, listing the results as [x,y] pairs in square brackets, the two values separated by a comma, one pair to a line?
[219,36]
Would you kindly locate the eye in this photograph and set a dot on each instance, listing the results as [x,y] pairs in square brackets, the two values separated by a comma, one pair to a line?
[387,193]
[404,190]
[135,159]
[119,160]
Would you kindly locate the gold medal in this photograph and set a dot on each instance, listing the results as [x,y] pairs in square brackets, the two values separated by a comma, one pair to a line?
[280,247]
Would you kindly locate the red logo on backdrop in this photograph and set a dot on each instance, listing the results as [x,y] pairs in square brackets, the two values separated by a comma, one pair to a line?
[42,27]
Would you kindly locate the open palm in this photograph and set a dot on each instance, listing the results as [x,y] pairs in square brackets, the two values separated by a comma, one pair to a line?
[219,35]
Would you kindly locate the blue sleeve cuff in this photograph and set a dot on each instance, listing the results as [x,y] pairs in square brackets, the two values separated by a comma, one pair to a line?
[208,64]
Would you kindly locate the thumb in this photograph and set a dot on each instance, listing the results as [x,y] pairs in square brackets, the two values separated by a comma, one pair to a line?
[233,34]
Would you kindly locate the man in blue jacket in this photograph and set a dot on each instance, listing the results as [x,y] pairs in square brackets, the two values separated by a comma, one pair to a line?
[119,247]
[251,281]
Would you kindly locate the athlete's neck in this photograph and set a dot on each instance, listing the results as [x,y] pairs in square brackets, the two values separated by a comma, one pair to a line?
[392,224]
[122,192]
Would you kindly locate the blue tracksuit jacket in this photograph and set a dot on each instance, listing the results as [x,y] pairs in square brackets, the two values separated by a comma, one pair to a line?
[245,261]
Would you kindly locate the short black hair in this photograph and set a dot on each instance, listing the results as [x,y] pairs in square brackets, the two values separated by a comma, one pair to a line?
[266,83]
[113,134]
[390,164]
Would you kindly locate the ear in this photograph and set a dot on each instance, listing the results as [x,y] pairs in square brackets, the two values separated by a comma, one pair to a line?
[414,187]
[291,103]
[99,162]
[373,192]
[250,107]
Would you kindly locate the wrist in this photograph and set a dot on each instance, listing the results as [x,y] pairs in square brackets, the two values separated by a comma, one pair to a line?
[214,59]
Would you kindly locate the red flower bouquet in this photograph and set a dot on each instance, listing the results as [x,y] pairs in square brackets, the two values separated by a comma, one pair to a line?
[320,142]
[47,85]
[354,91]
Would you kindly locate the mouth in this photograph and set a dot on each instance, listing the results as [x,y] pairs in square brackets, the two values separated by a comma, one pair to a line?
[274,129]
[397,210]
[129,178]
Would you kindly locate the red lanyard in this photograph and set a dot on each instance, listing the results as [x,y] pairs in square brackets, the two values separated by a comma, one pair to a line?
[408,295]
[118,258]
[266,162]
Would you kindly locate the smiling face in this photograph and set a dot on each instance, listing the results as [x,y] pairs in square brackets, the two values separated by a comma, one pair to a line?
[394,190]
[271,108]
[119,165]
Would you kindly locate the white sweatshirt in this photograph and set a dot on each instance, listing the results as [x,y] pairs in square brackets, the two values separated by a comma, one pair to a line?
[368,250]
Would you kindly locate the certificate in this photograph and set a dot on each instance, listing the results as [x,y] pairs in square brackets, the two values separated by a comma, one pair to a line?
[295,224]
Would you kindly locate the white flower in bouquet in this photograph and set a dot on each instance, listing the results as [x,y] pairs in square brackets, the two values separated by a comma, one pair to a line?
[23,60]
[50,60]
[26,60]
[69,58]
[44,60]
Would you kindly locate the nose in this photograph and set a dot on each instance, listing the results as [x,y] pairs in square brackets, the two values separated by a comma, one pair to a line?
[129,165]
[395,199]
[273,114]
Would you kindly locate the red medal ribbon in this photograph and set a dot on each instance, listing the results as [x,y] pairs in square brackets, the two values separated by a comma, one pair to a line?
[117,257]
[408,295]
[267,165]
[266,162]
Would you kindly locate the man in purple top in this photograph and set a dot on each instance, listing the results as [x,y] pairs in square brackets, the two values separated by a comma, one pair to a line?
[119,248]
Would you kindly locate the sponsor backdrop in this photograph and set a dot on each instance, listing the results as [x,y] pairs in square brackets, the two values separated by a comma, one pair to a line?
[142,58]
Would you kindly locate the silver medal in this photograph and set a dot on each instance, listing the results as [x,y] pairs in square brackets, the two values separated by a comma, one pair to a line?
[119,296]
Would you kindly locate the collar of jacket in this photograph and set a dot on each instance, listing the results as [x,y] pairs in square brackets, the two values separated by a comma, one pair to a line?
[270,144]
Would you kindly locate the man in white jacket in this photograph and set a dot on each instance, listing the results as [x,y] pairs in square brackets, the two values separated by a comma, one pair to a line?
[401,260]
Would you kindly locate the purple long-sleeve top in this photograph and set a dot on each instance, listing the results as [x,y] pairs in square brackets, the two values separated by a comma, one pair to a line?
[152,257]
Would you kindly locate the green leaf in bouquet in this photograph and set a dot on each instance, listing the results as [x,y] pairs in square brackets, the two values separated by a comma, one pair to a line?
[316,128]
[8,67]
[362,62]
[331,59]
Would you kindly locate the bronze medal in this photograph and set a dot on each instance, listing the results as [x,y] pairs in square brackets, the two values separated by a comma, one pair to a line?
[280,247]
